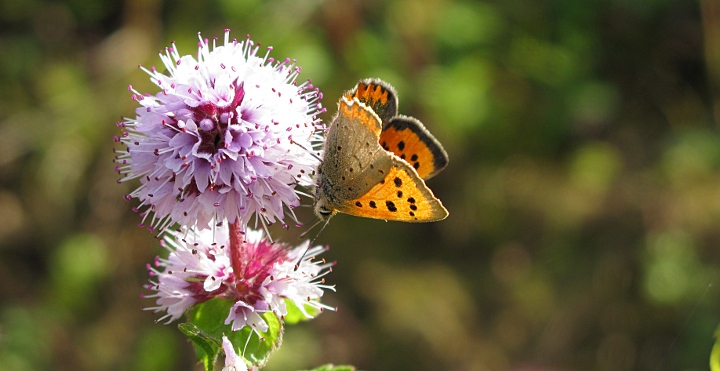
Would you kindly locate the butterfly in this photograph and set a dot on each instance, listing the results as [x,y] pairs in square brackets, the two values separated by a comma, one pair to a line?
[374,160]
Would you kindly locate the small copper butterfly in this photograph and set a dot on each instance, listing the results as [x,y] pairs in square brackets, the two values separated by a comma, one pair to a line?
[374,160]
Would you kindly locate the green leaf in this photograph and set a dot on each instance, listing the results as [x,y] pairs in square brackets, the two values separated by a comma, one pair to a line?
[294,315]
[715,353]
[210,316]
[208,319]
[206,348]
[258,349]
[330,367]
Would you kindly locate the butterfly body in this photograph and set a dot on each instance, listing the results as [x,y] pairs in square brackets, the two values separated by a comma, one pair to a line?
[372,160]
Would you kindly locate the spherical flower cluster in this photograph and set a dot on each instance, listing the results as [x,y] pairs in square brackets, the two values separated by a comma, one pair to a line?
[199,268]
[228,136]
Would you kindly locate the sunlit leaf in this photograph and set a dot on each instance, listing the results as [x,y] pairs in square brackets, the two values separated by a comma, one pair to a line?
[294,314]
[715,353]
[208,319]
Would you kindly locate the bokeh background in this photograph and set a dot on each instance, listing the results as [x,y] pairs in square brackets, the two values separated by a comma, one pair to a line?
[583,185]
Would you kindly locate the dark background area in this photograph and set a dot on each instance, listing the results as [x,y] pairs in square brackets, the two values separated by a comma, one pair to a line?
[583,185]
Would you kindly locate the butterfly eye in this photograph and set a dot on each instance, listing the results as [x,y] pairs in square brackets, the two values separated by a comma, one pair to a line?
[324,213]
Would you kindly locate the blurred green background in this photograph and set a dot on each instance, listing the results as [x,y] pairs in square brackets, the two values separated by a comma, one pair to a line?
[583,186]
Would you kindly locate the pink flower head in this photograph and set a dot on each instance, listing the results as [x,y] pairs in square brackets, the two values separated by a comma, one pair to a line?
[199,268]
[228,136]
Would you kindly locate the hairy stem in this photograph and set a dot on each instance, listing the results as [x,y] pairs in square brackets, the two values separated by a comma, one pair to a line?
[236,248]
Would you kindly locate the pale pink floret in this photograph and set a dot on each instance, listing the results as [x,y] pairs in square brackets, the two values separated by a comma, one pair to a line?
[233,362]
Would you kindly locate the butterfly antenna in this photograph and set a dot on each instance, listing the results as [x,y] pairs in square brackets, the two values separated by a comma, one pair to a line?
[297,265]
[302,235]
[308,151]
[321,229]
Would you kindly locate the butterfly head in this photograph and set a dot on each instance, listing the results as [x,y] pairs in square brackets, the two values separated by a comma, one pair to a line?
[322,211]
